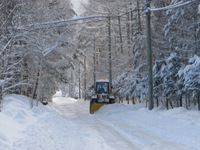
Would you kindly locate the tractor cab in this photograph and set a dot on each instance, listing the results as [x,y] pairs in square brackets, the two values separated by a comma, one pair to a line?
[102,87]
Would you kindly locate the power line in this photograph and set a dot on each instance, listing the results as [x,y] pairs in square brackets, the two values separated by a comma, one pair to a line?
[43,25]
[59,22]
[179,4]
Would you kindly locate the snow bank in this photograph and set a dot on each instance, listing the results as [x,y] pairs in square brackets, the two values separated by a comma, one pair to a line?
[22,127]
[42,128]
[177,125]
[113,127]
[14,118]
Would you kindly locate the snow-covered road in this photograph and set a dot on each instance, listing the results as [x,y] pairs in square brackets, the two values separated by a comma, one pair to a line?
[103,131]
[96,128]
[66,124]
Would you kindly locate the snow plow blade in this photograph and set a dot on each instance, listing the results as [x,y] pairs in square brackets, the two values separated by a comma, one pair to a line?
[95,107]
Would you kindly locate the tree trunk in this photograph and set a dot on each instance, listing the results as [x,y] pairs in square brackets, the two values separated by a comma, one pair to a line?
[181,100]
[170,102]
[133,100]
[39,86]
[1,97]
[127,99]
[0,104]
[157,102]
[189,100]
[139,16]
[198,101]
[128,26]
[120,34]
[186,101]
[195,35]
[34,95]
[167,103]
[121,99]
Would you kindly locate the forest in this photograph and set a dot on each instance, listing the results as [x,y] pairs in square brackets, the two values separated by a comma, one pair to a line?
[40,53]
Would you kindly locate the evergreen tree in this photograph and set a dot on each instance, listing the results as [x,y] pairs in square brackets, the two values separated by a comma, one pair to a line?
[192,79]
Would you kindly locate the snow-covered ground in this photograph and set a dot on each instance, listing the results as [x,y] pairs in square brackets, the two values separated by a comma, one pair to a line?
[66,124]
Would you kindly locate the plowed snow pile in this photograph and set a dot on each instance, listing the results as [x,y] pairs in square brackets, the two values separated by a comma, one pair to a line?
[65,124]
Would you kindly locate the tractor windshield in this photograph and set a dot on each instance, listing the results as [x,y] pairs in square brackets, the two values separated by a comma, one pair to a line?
[102,87]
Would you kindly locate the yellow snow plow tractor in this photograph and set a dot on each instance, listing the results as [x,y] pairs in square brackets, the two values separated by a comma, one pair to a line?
[102,95]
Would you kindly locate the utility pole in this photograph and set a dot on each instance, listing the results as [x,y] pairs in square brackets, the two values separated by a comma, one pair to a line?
[94,64]
[71,94]
[149,53]
[79,87]
[110,57]
[1,97]
[139,18]
[120,34]
[70,82]
[85,77]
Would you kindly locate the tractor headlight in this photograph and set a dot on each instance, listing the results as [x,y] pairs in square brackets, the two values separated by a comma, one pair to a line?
[111,97]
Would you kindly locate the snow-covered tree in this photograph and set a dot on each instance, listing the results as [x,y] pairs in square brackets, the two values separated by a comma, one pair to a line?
[170,78]
[9,57]
[158,71]
[166,80]
[33,56]
[180,85]
[192,78]
[182,29]
[127,37]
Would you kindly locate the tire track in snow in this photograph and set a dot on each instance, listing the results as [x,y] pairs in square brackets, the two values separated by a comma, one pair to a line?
[94,127]
[114,133]
[149,140]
